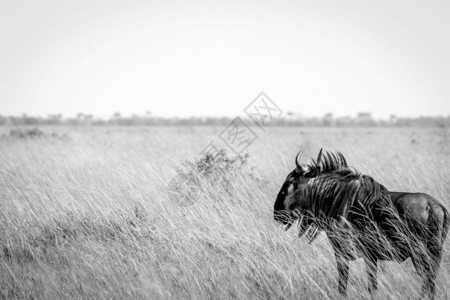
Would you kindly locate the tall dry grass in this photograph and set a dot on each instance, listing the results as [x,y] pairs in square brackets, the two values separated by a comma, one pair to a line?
[88,216]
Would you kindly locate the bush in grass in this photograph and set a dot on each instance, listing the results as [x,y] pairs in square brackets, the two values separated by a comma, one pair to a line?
[218,167]
[211,172]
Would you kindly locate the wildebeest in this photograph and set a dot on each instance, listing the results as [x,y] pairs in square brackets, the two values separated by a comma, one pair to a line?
[362,218]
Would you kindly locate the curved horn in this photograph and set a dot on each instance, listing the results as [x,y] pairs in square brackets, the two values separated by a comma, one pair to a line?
[297,158]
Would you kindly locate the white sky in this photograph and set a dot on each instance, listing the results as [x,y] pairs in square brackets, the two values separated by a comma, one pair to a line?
[213,57]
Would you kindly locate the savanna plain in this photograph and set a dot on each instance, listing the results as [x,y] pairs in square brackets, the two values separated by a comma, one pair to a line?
[86,213]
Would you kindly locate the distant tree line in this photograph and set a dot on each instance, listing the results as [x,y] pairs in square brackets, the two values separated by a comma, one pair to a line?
[289,119]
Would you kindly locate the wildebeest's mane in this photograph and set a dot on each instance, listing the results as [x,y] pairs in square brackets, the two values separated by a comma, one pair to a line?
[337,193]
[331,162]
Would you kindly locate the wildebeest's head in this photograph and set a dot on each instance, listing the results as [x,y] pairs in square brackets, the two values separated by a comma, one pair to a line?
[286,209]
[291,204]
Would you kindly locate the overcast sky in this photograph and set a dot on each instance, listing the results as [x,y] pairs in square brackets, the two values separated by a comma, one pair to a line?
[181,58]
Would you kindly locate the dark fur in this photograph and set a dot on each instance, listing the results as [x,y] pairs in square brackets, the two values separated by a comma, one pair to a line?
[362,218]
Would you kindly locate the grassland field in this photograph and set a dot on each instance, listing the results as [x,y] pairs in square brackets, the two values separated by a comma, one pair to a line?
[85,213]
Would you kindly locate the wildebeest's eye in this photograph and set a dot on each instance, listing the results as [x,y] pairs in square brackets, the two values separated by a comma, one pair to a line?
[309,174]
